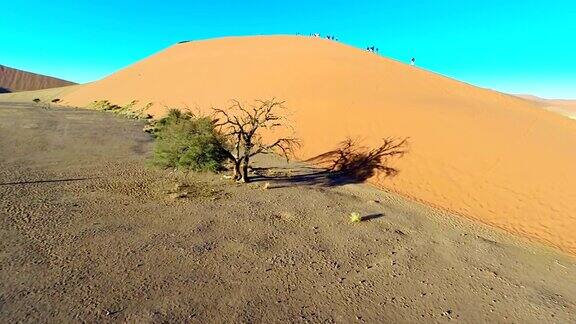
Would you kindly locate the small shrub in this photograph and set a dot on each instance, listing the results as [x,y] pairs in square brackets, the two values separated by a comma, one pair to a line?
[355,217]
[36,100]
[56,100]
[188,142]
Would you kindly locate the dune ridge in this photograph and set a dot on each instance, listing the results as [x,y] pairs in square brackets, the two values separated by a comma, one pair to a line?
[14,80]
[488,156]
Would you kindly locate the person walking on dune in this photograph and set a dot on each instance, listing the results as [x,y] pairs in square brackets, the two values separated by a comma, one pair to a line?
[413,62]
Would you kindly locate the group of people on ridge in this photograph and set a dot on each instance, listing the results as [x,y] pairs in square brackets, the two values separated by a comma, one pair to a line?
[330,37]
[371,49]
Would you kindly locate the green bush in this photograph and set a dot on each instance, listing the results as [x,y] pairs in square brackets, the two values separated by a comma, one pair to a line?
[173,117]
[188,142]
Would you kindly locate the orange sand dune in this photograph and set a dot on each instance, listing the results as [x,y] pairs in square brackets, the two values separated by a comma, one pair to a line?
[486,155]
[562,106]
[12,80]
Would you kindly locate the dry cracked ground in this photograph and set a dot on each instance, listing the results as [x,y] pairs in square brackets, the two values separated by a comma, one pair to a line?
[90,233]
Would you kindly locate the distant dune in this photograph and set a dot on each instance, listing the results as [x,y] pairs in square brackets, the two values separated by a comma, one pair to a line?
[14,80]
[44,95]
[486,155]
[564,107]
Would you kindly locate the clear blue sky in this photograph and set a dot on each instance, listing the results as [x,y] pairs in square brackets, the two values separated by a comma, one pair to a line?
[520,46]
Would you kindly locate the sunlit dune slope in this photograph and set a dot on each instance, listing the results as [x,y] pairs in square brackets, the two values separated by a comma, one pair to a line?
[561,106]
[489,156]
[13,80]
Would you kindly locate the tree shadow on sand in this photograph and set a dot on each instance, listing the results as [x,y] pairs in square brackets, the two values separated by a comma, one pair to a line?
[346,164]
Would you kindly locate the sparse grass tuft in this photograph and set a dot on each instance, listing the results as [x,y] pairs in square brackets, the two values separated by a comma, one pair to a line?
[186,189]
[128,111]
[355,217]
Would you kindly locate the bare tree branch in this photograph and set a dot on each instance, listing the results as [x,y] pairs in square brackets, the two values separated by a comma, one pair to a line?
[242,127]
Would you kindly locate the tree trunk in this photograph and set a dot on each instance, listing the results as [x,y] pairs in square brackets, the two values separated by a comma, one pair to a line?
[245,164]
[237,175]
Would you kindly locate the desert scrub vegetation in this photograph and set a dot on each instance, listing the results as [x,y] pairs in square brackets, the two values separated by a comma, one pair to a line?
[41,104]
[234,134]
[129,111]
[188,142]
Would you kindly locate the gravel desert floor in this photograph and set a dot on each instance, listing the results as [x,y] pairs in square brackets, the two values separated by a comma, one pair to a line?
[90,233]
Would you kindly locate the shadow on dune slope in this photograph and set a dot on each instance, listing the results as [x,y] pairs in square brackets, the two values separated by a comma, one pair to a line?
[346,164]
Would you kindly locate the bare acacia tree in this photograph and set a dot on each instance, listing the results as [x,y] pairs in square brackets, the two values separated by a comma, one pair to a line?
[243,126]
